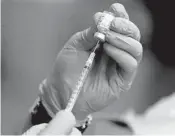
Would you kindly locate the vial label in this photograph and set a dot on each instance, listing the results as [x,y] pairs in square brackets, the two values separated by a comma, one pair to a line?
[104,22]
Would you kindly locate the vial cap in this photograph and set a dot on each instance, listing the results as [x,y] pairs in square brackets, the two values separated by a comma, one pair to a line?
[99,36]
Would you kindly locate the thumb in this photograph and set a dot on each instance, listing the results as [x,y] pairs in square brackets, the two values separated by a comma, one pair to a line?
[62,124]
[84,40]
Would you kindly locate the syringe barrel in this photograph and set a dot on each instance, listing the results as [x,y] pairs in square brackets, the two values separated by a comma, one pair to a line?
[80,82]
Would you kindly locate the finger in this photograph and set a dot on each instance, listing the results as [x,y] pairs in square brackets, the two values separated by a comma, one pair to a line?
[127,63]
[119,10]
[127,44]
[62,124]
[75,132]
[85,40]
[125,27]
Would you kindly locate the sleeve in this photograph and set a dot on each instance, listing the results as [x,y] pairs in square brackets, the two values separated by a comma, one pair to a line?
[158,119]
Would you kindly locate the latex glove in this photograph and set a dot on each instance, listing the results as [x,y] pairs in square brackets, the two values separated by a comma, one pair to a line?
[112,72]
[62,124]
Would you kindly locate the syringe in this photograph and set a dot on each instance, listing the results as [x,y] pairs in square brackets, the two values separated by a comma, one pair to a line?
[103,25]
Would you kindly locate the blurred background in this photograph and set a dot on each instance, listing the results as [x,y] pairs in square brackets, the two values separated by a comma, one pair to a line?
[34,31]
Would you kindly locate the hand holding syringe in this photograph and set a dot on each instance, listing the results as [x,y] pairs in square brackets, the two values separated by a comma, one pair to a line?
[111,73]
[123,52]
[103,25]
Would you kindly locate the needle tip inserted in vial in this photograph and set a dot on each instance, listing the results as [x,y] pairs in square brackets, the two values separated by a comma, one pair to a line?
[103,26]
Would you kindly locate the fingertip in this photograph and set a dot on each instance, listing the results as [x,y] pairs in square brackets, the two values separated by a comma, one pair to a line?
[76,132]
[97,16]
[67,121]
[68,116]
[138,36]
[119,10]
[88,34]
[62,123]
[84,40]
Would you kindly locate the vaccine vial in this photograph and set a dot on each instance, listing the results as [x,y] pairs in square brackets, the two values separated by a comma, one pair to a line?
[103,25]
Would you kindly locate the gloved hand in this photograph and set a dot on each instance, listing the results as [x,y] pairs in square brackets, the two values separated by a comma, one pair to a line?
[113,72]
